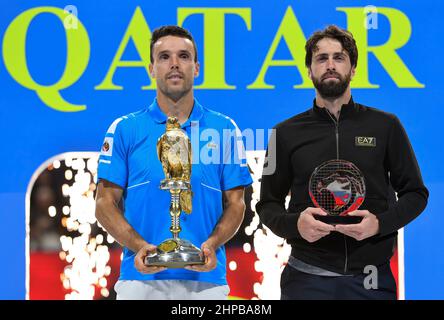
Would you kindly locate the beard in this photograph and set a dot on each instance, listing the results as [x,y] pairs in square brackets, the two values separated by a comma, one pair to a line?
[332,88]
[176,93]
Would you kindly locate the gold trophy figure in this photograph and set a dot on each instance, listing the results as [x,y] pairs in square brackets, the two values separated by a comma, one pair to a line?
[174,152]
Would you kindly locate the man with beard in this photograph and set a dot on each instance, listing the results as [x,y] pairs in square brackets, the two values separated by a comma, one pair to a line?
[332,261]
[129,172]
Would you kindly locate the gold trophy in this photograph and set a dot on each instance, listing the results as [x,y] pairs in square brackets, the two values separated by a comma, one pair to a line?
[174,152]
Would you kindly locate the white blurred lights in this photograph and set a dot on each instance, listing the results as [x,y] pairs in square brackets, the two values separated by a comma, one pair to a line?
[86,255]
[68,174]
[272,251]
[52,211]
[56,164]
[65,210]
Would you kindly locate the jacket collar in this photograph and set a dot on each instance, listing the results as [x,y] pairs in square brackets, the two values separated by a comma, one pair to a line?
[158,116]
[346,110]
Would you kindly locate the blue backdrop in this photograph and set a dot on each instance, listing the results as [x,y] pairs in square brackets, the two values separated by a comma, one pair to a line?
[63,81]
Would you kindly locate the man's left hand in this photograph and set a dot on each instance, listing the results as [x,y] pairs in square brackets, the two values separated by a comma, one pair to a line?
[210,259]
[368,227]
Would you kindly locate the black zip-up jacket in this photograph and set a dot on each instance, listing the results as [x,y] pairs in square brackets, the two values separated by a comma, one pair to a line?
[388,164]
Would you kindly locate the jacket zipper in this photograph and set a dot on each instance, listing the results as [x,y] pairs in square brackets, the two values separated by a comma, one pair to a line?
[336,122]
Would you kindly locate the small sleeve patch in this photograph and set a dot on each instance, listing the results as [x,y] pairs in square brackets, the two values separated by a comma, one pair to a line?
[107,147]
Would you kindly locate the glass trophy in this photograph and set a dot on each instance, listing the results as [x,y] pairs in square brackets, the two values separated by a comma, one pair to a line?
[337,187]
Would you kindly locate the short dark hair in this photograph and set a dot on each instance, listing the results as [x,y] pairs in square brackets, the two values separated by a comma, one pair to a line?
[171,30]
[343,36]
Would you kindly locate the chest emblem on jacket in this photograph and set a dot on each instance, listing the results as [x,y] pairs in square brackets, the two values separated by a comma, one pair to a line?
[365,141]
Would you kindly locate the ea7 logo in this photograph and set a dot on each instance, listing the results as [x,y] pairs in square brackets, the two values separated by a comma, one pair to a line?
[365,141]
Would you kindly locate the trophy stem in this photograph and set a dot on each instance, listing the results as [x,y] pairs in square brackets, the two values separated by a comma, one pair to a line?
[175,211]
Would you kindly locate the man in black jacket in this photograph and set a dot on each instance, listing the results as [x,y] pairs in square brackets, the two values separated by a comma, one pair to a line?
[334,261]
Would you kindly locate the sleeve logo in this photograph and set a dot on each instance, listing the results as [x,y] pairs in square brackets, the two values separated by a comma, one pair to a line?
[107,147]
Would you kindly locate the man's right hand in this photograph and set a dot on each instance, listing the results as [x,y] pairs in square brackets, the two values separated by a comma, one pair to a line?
[139,260]
[311,229]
